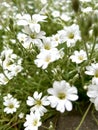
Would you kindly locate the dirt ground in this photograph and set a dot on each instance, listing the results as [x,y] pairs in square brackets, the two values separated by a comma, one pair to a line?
[72,119]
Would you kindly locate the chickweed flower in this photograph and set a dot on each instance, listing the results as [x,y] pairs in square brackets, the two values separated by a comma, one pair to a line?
[11,104]
[29,38]
[21,115]
[44,58]
[10,63]
[92,70]
[32,21]
[92,93]
[3,79]
[32,121]
[70,35]
[61,95]
[79,56]
[37,103]
[48,44]
[56,39]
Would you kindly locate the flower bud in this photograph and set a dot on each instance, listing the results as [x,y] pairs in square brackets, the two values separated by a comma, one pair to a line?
[75,5]
[95,30]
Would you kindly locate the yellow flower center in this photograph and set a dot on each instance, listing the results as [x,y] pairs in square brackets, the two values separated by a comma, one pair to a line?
[47,46]
[8,63]
[48,58]
[33,35]
[71,35]
[35,122]
[56,38]
[38,102]
[61,95]
[11,106]
[80,57]
[5,79]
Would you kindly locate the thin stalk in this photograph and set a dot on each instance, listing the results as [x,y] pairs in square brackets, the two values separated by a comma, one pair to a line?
[95,119]
[45,127]
[93,48]
[84,116]
[80,74]
[86,49]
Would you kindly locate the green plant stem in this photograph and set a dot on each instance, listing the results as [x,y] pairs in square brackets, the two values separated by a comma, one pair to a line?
[86,49]
[44,127]
[80,74]
[96,120]
[84,116]
[93,47]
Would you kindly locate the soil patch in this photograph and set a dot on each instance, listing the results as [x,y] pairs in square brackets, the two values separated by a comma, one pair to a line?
[72,119]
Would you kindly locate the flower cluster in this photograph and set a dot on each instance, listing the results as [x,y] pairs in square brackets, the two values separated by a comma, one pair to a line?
[11,65]
[48,59]
[60,98]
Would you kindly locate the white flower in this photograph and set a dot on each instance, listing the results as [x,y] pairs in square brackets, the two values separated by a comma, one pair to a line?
[7,64]
[3,79]
[32,21]
[16,69]
[48,44]
[38,102]
[32,121]
[30,38]
[55,13]
[61,95]
[87,10]
[85,0]
[92,70]
[43,1]
[26,42]
[7,97]
[44,58]
[10,63]
[8,75]
[79,56]
[65,17]
[6,53]
[5,4]
[33,34]
[70,35]
[11,104]
[13,41]
[21,115]
[56,39]
[93,94]
[33,37]
[21,37]
[95,80]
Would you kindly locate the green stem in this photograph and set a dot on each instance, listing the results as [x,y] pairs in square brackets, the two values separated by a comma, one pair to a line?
[44,127]
[86,49]
[80,74]
[96,120]
[84,116]
[93,47]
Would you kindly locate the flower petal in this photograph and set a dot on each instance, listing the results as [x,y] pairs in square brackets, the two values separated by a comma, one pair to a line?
[68,105]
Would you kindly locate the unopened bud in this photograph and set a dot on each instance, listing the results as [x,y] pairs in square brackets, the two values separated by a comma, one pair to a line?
[85,87]
[95,30]
[75,5]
